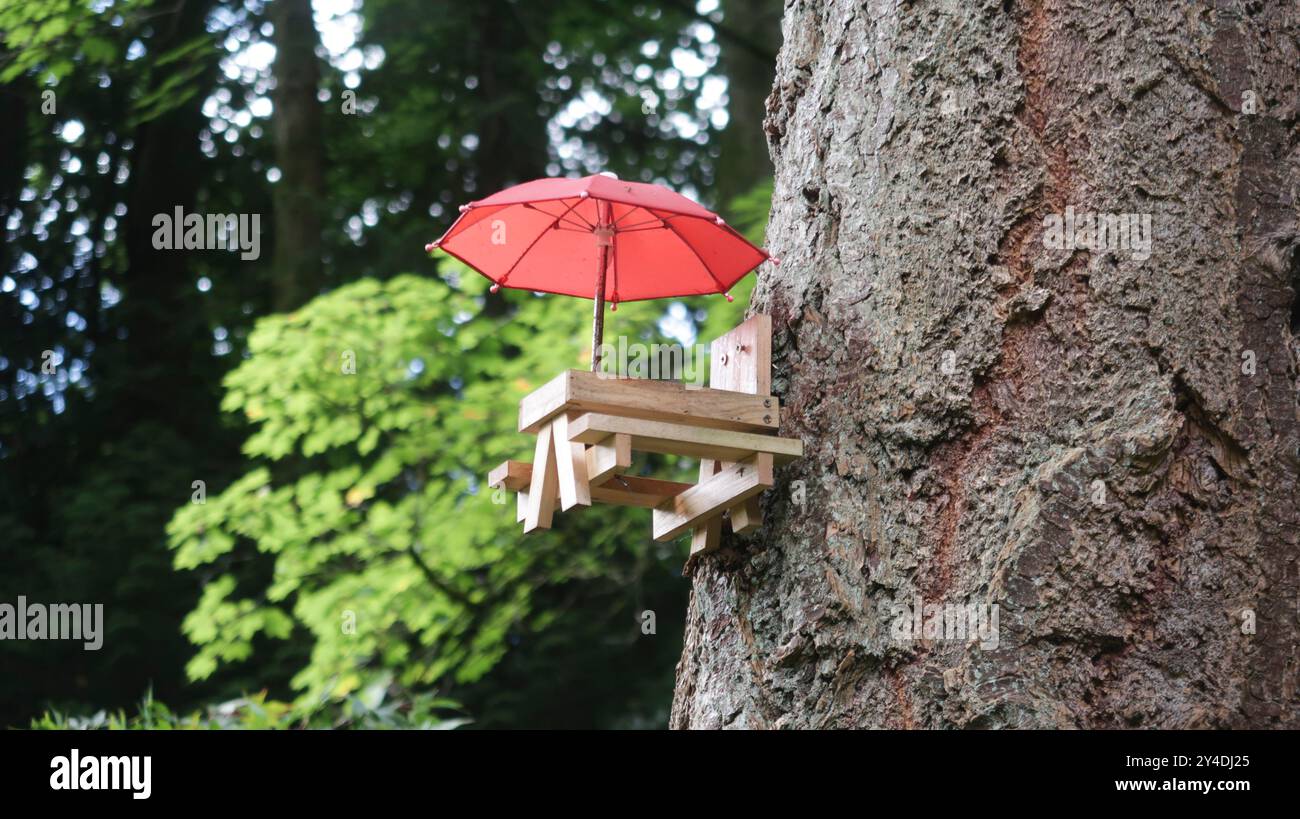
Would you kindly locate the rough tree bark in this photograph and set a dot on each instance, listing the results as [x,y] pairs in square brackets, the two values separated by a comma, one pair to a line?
[961,388]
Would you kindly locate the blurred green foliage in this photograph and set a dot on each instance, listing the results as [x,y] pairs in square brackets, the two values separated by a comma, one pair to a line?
[370,709]
[41,34]
[379,408]
[328,493]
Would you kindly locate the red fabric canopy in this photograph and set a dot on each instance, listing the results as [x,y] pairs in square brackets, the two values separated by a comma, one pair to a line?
[543,235]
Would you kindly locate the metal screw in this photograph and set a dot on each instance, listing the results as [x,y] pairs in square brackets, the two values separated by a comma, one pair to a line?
[767,402]
[767,419]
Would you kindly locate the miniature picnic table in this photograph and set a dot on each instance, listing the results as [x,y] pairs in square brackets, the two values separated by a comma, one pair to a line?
[588,425]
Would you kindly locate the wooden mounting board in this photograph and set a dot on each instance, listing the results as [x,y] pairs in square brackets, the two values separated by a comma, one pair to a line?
[579,391]
[740,360]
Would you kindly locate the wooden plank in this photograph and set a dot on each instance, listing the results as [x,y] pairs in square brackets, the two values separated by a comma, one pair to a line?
[707,536]
[577,391]
[629,490]
[620,490]
[673,401]
[571,463]
[512,475]
[741,360]
[543,403]
[708,498]
[607,457]
[746,517]
[543,487]
[681,439]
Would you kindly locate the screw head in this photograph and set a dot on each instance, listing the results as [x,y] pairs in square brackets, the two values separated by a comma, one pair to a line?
[767,419]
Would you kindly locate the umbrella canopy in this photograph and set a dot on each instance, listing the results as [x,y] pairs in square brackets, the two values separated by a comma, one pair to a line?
[600,238]
[541,236]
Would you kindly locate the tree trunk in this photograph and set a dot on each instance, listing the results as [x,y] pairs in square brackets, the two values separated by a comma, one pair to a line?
[161,314]
[300,154]
[1102,446]
[753,37]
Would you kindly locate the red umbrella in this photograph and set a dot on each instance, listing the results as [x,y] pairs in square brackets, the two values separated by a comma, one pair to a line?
[599,238]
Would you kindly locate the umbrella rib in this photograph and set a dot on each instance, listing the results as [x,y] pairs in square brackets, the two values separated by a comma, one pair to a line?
[640,226]
[578,227]
[533,243]
[703,263]
[631,211]
[655,219]
[580,217]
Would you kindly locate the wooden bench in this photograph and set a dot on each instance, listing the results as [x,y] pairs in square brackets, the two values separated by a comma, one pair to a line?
[589,424]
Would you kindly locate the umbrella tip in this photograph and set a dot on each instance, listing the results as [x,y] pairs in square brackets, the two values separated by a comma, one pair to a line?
[610,174]
[730,298]
[464,208]
[494,288]
[430,247]
[613,307]
[718,220]
[773,260]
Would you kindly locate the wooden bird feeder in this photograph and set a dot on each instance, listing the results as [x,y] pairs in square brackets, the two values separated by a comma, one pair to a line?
[588,425]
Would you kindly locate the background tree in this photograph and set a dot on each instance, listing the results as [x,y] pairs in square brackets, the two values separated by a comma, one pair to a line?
[299,154]
[91,454]
[1104,446]
[750,38]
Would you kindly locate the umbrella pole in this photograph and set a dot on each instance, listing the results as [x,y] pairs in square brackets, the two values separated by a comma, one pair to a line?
[598,312]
